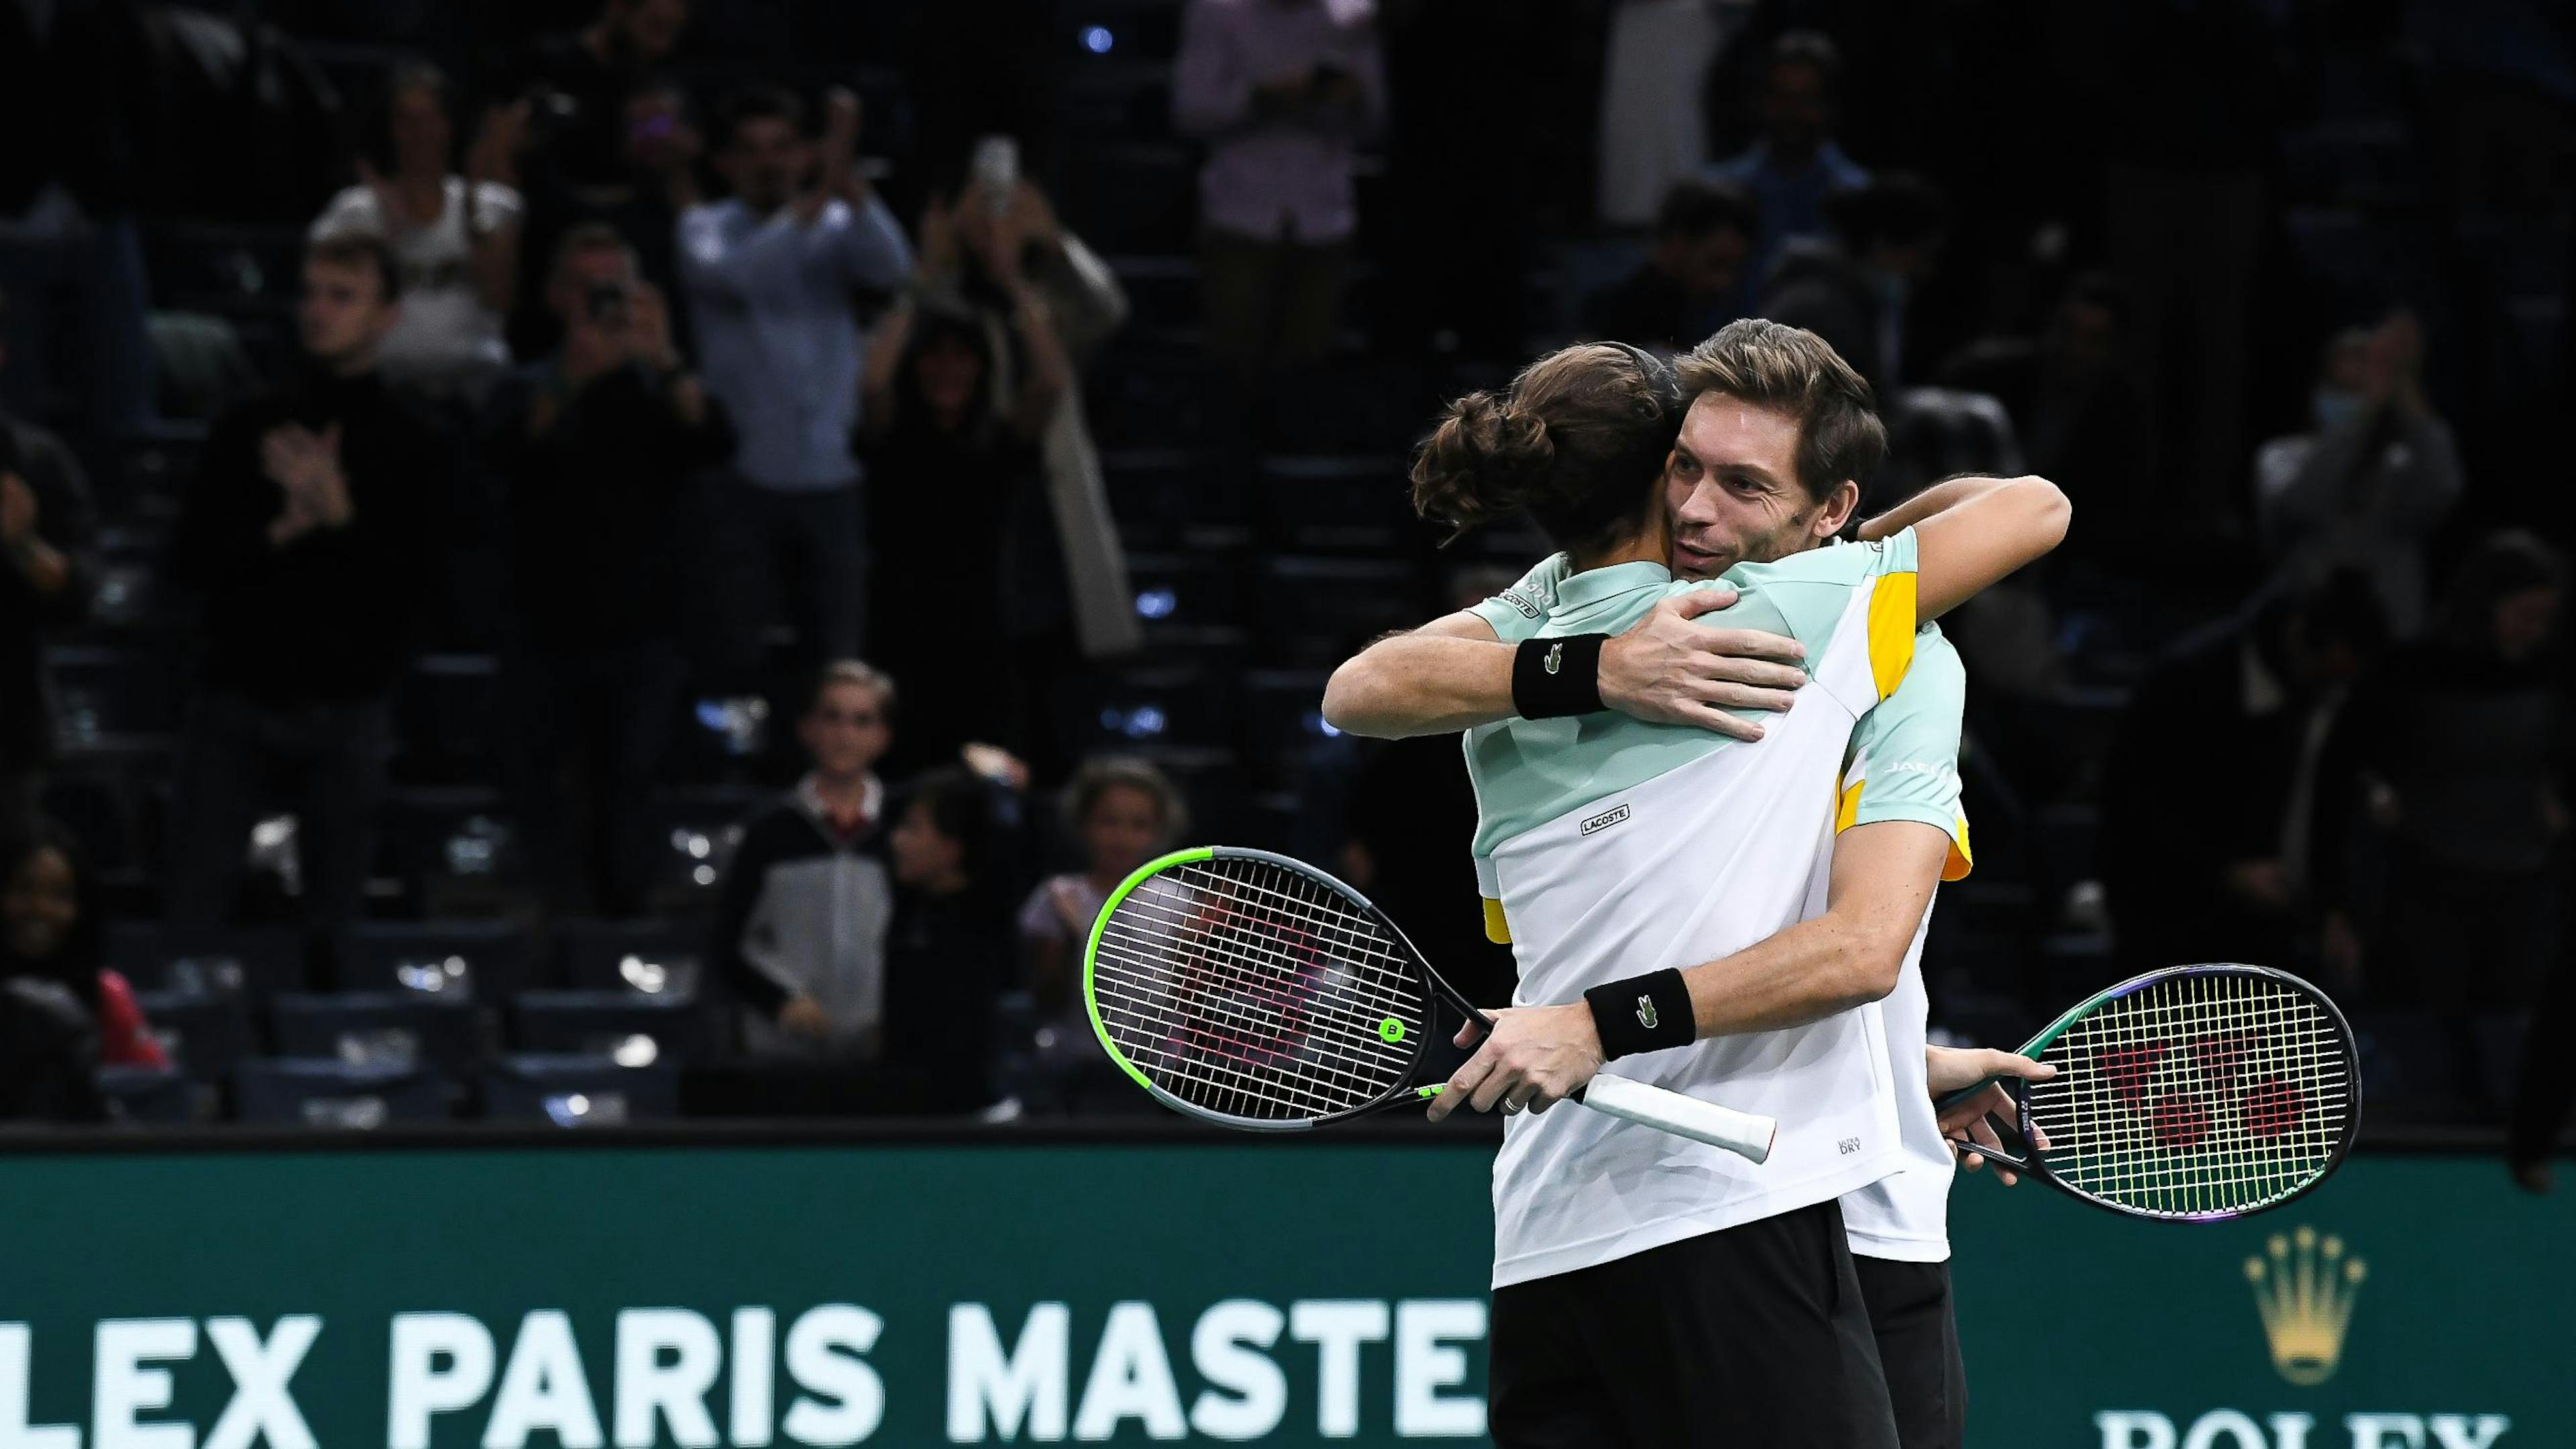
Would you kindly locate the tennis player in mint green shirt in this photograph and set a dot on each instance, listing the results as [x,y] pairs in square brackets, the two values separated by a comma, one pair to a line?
[1736,481]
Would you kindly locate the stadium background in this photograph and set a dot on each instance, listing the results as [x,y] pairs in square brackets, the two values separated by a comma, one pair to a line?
[2179,204]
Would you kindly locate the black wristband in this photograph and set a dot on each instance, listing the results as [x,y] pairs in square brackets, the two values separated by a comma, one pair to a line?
[1642,1014]
[1552,678]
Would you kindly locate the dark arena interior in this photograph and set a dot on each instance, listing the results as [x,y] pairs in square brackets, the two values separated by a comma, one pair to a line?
[604,603]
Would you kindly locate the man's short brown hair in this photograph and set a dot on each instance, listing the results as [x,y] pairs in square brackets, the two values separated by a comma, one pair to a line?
[1791,370]
[364,251]
[856,672]
[584,238]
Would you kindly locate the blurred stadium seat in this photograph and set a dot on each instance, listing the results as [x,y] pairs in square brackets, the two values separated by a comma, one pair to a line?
[225,269]
[1337,503]
[252,962]
[577,1091]
[204,1033]
[694,832]
[446,711]
[1150,708]
[1134,196]
[627,1027]
[1169,498]
[147,1094]
[456,847]
[1317,611]
[1283,720]
[323,1093]
[1190,605]
[649,958]
[482,961]
[111,698]
[148,472]
[378,1028]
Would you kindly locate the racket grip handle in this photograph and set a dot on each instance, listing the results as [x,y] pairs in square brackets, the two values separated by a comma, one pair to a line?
[1742,1133]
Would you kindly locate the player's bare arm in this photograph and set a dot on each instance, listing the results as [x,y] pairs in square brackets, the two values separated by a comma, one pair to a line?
[1453,674]
[1971,533]
[1883,878]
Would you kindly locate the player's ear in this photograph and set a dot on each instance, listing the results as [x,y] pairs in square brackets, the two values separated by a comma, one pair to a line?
[1839,505]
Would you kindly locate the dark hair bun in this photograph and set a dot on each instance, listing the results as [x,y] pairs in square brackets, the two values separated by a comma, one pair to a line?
[1484,462]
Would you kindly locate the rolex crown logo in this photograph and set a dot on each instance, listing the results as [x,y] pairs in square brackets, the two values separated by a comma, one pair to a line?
[2304,1287]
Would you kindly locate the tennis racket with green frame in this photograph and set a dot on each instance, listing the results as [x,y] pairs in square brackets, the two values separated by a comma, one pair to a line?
[2191,1094]
[1257,992]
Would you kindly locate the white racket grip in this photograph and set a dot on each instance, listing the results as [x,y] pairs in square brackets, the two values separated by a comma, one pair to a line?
[1742,1133]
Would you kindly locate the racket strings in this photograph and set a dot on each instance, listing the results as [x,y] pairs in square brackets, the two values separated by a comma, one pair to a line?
[2202,1095]
[1249,990]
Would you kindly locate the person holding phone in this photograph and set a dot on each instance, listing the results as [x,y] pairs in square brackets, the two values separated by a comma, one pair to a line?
[662,151]
[773,273]
[973,429]
[598,446]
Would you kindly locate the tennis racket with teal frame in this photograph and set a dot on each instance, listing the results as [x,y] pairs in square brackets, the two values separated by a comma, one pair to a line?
[2191,1094]
[1257,992]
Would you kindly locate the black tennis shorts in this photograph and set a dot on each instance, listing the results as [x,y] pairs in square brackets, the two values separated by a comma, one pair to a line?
[1752,1338]
[1918,1347]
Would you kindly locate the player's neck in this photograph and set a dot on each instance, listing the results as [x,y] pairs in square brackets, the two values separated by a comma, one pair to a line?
[1650,544]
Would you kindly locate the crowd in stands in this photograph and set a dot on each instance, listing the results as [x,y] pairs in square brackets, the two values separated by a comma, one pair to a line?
[455,460]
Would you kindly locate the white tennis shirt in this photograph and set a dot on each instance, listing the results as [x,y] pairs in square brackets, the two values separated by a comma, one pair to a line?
[1904,765]
[1616,847]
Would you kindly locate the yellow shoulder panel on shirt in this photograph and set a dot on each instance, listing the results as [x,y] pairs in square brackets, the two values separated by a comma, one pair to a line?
[1497,930]
[1891,631]
[1962,860]
[1956,866]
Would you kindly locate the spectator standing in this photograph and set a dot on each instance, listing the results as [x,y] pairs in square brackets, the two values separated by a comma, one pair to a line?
[598,447]
[802,914]
[1855,287]
[2080,411]
[2373,478]
[1794,163]
[1692,283]
[312,533]
[662,149]
[580,83]
[456,236]
[1652,131]
[71,251]
[2186,100]
[2464,801]
[973,431]
[948,953]
[2212,790]
[948,463]
[1120,814]
[1281,92]
[46,528]
[771,274]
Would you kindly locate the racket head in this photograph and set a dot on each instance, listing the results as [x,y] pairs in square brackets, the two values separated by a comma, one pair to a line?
[1255,991]
[2195,1094]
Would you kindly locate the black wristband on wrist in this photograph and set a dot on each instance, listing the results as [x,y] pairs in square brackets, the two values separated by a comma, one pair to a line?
[1642,1014]
[1552,678]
